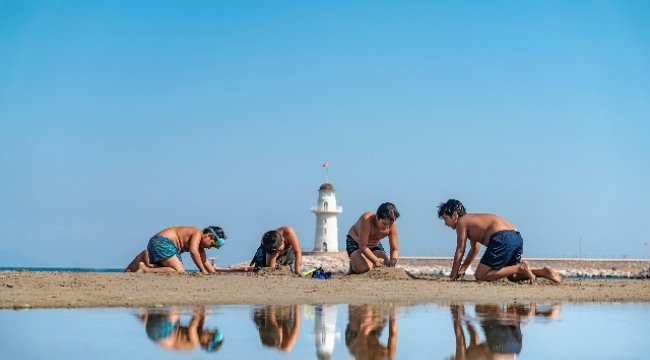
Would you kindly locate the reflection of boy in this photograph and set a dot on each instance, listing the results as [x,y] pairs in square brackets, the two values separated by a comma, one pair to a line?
[363,241]
[163,253]
[279,247]
[278,326]
[504,246]
[502,328]
[163,327]
[363,332]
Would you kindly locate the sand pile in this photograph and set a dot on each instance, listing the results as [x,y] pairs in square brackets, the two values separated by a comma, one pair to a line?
[385,273]
[275,272]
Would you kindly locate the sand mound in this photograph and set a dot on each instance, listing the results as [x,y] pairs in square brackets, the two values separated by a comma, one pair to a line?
[384,273]
[275,272]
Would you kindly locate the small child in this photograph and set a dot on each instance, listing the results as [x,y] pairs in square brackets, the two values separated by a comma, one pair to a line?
[504,243]
[363,241]
[279,247]
[163,253]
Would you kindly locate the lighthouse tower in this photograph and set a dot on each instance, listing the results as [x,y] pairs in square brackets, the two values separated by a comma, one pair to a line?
[325,332]
[326,226]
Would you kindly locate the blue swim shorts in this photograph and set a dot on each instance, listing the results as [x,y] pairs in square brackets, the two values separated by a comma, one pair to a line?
[505,249]
[351,246]
[159,327]
[162,248]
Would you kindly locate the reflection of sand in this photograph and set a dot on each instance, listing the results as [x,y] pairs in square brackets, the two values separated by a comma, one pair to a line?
[24,289]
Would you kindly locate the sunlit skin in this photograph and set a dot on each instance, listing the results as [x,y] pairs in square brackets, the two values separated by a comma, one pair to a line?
[367,322]
[187,239]
[184,338]
[478,229]
[289,241]
[285,333]
[367,232]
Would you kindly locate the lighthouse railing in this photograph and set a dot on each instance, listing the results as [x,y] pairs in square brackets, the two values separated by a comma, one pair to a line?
[329,210]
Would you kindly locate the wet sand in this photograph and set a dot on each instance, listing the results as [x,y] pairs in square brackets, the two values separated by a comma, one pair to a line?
[32,289]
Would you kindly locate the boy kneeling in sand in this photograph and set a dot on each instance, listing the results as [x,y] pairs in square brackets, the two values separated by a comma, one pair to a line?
[504,246]
[363,241]
[279,247]
[163,253]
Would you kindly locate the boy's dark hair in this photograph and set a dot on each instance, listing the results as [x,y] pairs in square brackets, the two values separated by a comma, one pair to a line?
[451,206]
[271,241]
[387,211]
[217,230]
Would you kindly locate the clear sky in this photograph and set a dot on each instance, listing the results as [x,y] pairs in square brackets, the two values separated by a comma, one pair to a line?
[121,118]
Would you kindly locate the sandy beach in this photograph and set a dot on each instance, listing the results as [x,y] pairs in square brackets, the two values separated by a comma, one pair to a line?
[35,289]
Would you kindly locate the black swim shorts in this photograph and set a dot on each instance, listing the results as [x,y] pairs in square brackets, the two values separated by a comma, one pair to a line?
[351,245]
[505,249]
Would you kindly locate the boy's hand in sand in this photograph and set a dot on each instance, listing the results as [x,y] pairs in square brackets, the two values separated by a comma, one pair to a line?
[392,262]
[379,262]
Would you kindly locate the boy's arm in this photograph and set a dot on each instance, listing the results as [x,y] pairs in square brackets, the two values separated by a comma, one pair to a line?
[364,234]
[271,259]
[461,238]
[196,323]
[471,255]
[196,251]
[392,335]
[288,342]
[292,238]
[394,245]
[206,262]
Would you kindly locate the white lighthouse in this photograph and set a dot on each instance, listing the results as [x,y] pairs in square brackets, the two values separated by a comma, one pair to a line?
[325,333]
[326,226]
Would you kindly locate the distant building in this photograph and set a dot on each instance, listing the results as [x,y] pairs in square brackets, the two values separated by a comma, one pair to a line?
[327,238]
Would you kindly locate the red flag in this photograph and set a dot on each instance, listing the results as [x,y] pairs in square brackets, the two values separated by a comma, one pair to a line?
[325,164]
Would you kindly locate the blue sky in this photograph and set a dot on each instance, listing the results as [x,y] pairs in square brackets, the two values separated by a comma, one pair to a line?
[121,118]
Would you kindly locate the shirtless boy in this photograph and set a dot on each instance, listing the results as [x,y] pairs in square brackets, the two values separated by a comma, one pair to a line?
[163,253]
[363,241]
[504,243]
[279,247]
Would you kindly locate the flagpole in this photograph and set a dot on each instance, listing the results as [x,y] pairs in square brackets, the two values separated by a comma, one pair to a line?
[327,176]
[326,166]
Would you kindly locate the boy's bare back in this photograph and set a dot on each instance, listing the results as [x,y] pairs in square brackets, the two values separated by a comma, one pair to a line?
[181,236]
[480,227]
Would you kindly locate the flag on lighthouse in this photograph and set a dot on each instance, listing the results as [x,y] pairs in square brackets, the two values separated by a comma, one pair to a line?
[325,164]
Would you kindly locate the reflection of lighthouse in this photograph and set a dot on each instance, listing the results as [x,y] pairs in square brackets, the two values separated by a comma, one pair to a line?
[325,331]
[326,226]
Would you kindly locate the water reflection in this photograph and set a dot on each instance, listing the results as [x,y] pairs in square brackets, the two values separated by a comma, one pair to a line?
[167,329]
[365,326]
[325,332]
[501,325]
[278,326]
[333,331]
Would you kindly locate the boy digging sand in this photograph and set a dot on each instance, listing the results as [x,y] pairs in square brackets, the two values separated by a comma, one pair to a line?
[163,253]
[502,257]
[279,247]
[363,241]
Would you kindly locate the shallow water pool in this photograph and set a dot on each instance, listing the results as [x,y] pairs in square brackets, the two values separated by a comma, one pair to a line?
[336,331]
